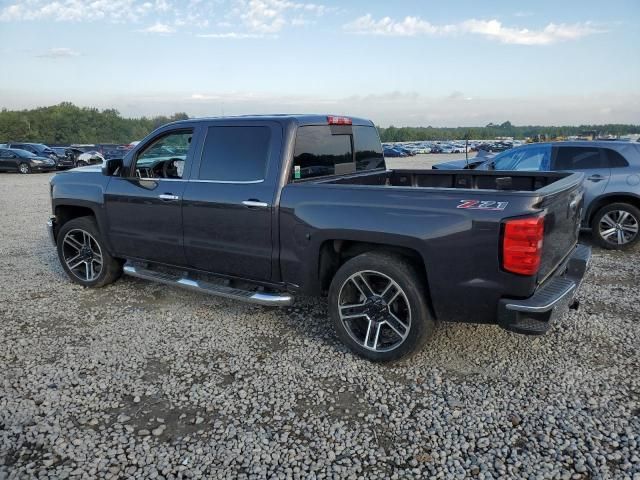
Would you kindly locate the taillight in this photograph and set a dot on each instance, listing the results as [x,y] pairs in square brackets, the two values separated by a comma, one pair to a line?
[339,120]
[522,245]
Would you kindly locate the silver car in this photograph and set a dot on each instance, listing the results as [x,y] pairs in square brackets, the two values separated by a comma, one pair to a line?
[612,181]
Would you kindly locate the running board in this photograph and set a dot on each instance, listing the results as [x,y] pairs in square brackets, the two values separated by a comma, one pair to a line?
[260,298]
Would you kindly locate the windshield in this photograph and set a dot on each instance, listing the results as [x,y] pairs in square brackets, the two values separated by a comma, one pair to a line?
[23,153]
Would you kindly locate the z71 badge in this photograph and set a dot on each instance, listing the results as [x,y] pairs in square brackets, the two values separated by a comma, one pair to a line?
[482,205]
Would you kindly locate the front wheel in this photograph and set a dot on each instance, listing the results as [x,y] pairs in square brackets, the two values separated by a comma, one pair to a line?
[615,226]
[378,306]
[83,255]
[24,168]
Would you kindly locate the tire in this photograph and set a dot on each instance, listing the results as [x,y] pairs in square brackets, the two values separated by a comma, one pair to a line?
[615,226]
[402,326]
[24,168]
[93,267]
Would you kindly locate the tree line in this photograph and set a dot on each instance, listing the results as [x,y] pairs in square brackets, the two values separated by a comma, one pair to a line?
[67,123]
[506,129]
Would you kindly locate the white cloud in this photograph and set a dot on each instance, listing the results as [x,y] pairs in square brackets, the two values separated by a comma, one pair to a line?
[552,33]
[60,52]
[81,10]
[244,18]
[234,35]
[494,29]
[161,28]
[409,27]
[270,16]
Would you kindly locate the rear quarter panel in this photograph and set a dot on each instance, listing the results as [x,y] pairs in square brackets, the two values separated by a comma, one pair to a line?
[460,248]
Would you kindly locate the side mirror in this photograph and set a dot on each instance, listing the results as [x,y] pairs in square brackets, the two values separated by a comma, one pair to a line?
[111,166]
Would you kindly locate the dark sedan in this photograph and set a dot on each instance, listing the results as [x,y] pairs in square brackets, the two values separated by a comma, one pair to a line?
[16,160]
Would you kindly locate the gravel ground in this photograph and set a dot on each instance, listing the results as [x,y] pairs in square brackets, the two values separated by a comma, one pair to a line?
[141,380]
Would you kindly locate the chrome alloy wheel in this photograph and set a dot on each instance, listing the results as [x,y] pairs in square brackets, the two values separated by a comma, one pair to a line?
[82,255]
[374,311]
[618,227]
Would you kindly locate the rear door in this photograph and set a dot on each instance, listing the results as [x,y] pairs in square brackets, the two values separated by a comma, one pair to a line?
[228,203]
[589,160]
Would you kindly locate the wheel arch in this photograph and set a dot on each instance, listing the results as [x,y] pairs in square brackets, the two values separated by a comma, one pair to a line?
[64,212]
[604,200]
[335,252]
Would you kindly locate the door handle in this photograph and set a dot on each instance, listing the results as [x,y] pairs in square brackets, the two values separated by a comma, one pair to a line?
[168,197]
[255,204]
[596,178]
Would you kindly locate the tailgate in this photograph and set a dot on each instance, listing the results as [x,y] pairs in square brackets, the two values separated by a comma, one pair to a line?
[561,227]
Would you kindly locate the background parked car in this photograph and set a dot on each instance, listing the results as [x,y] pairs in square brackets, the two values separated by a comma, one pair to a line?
[393,152]
[38,149]
[612,181]
[92,157]
[66,157]
[16,160]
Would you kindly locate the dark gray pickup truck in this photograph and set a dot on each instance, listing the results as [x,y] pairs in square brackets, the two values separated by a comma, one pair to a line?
[262,208]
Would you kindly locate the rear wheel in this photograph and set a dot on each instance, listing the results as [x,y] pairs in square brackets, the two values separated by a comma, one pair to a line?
[24,168]
[378,307]
[83,255]
[615,226]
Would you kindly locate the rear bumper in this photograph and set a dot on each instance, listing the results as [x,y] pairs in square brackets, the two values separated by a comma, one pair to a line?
[66,163]
[535,314]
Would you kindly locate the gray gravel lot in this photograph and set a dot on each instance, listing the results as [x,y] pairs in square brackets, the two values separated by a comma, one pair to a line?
[141,380]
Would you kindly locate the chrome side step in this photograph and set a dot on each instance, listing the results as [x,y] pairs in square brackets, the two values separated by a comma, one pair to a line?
[260,298]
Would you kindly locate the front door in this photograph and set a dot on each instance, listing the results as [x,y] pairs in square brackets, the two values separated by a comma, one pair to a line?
[589,160]
[144,204]
[8,160]
[228,204]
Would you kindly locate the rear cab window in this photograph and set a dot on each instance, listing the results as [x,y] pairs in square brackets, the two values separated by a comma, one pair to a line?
[323,150]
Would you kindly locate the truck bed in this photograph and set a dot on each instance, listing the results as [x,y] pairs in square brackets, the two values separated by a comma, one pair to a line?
[480,180]
[453,220]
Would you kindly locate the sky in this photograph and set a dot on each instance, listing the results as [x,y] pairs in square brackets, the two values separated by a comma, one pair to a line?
[401,62]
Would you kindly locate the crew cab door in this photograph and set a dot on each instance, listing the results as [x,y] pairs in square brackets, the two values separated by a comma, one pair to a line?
[144,204]
[228,203]
[589,160]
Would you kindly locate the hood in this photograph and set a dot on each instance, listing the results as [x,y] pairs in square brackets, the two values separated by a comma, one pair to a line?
[87,169]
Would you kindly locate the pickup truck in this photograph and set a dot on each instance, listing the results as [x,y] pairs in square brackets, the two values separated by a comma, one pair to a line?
[263,208]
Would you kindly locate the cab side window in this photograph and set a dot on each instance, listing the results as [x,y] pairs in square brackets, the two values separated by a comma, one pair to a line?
[235,154]
[524,159]
[615,159]
[578,158]
[165,156]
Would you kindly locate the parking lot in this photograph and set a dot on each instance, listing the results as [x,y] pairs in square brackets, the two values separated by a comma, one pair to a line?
[143,380]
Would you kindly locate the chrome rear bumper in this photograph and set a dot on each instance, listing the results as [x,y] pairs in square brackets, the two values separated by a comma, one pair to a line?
[534,315]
